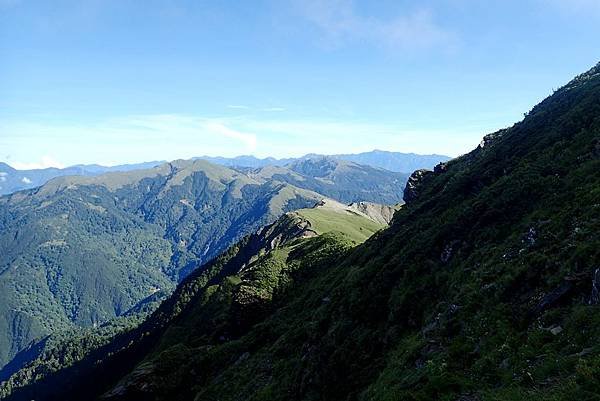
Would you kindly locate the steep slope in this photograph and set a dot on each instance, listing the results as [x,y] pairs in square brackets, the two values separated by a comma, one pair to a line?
[220,299]
[484,288]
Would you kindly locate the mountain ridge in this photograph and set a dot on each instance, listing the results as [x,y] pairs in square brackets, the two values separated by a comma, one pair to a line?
[13,180]
[251,255]
[80,250]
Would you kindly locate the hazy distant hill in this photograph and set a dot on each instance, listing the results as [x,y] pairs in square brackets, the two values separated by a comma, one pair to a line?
[392,161]
[12,180]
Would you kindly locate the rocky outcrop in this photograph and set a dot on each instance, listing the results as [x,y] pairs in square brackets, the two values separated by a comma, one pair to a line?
[490,139]
[414,185]
[595,297]
[382,214]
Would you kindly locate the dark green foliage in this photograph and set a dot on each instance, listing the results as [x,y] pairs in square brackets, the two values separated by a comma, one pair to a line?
[218,301]
[80,251]
[60,350]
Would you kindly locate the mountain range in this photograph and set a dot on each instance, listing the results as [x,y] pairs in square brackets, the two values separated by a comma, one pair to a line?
[81,250]
[392,161]
[12,180]
[483,288]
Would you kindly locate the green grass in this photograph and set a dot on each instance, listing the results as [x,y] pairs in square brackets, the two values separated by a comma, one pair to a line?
[357,227]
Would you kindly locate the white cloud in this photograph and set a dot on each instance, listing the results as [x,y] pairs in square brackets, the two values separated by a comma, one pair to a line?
[249,140]
[169,137]
[26,180]
[45,162]
[338,22]
[203,130]
[286,138]
[267,109]
[125,140]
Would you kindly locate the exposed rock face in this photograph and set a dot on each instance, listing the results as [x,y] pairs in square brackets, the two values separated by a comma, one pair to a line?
[382,214]
[553,298]
[449,251]
[595,297]
[440,168]
[490,139]
[413,186]
[284,230]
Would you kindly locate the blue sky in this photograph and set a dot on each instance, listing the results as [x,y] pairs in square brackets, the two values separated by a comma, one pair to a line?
[116,81]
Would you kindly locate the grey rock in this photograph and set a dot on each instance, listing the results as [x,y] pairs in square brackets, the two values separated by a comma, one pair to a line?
[414,185]
[449,251]
[595,297]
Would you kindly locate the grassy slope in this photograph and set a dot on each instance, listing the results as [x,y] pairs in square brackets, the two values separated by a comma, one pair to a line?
[356,227]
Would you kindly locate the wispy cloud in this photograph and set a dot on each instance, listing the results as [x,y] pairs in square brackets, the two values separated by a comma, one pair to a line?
[249,140]
[194,130]
[297,137]
[339,23]
[124,139]
[171,136]
[260,109]
[44,162]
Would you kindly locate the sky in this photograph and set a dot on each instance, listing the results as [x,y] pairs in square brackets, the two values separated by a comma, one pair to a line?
[122,81]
